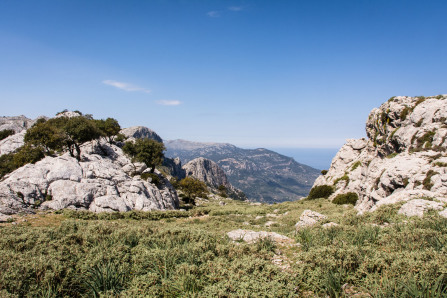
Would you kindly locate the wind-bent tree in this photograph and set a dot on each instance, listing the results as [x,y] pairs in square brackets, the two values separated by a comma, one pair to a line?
[147,151]
[63,133]
[109,127]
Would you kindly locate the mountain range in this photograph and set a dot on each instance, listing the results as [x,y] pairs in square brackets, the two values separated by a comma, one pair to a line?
[263,175]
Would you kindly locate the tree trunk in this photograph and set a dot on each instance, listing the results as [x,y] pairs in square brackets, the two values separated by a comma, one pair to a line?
[78,152]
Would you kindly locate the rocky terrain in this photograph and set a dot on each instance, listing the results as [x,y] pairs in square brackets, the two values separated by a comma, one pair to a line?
[103,180]
[404,158]
[263,175]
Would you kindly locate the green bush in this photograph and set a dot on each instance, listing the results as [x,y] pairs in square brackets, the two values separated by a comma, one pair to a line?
[321,191]
[347,198]
[6,133]
[155,179]
[323,172]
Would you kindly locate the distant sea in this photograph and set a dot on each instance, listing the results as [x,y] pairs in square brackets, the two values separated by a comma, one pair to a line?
[318,158]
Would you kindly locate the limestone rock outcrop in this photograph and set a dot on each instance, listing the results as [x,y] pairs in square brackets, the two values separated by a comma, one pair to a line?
[16,123]
[101,181]
[139,132]
[404,157]
[207,171]
[309,218]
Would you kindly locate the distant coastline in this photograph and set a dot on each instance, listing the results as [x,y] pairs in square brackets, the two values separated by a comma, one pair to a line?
[318,158]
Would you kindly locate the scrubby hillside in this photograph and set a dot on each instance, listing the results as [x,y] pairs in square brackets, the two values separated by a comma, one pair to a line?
[308,248]
[404,157]
[263,175]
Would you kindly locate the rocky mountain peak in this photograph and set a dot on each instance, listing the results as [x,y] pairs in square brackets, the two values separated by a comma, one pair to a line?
[139,132]
[404,157]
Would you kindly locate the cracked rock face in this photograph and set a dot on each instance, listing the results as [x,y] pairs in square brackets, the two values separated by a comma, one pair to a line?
[207,171]
[404,157]
[101,181]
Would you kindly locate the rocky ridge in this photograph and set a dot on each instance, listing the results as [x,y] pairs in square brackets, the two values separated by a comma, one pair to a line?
[404,157]
[263,175]
[97,183]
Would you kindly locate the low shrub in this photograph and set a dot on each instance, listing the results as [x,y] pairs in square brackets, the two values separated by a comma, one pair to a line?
[347,198]
[6,133]
[154,178]
[323,172]
[320,191]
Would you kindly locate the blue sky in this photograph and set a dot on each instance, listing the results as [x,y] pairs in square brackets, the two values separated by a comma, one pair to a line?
[274,74]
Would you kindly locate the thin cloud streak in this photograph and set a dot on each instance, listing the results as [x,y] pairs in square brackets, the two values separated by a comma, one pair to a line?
[235,8]
[165,102]
[125,86]
[213,14]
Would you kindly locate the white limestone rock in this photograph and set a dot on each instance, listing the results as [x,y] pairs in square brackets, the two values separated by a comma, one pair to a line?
[417,207]
[309,218]
[252,236]
[96,183]
[403,158]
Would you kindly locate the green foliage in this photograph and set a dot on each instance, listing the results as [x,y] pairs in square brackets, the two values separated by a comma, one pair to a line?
[405,112]
[22,156]
[345,177]
[440,164]
[356,165]
[154,178]
[63,133]
[323,172]
[222,191]
[392,155]
[347,198]
[105,277]
[109,128]
[427,180]
[193,188]
[6,133]
[147,151]
[321,191]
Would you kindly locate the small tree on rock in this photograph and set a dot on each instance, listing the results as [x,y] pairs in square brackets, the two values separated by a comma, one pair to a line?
[147,151]
[109,127]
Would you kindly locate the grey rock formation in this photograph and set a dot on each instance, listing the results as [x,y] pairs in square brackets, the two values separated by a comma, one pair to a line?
[252,236]
[98,182]
[16,123]
[404,157]
[207,171]
[263,175]
[12,142]
[139,132]
[417,207]
[309,218]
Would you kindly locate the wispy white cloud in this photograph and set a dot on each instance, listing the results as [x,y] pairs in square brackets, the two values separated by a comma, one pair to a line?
[125,86]
[213,14]
[235,8]
[165,102]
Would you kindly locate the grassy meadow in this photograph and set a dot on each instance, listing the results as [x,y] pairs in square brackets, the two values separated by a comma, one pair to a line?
[187,253]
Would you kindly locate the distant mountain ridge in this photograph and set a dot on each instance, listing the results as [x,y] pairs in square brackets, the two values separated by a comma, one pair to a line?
[262,174]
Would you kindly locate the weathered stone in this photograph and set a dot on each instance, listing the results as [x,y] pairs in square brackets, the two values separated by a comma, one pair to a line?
[417,207]
[402,159]
[207,171]
[252,236]
[98,183]
[309,218]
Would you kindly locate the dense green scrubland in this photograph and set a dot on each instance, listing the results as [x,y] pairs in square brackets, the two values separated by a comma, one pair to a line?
[187,253]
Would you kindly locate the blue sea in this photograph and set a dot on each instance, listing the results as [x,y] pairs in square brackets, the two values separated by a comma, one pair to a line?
[318,158]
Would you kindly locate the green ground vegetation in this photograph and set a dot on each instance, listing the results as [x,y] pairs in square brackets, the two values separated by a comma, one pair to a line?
[187,253]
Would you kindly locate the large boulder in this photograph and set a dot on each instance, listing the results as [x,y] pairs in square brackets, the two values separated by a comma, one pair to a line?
[404,157]
[99,182]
